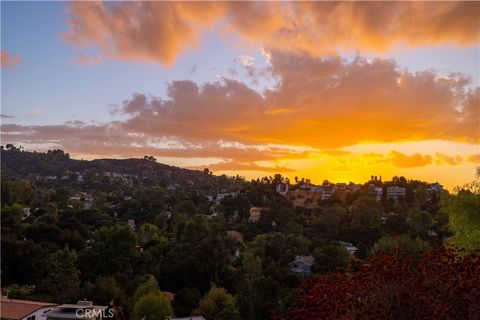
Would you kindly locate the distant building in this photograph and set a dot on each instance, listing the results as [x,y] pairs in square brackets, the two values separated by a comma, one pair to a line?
[131,224]
[437,188]
[81,310]
[349,247]
[221,196]
[354,187]
[302,265]
[27,212]
[328,191]
[282,188]
[395,192]
[13,309]
[341,186]
[255,214]
[378,193]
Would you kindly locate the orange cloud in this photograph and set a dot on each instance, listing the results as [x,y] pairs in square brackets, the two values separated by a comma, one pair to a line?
[161,31]
[474,158]
[404,161]
[441,158]
[334,104]
[241,166]
[8,60]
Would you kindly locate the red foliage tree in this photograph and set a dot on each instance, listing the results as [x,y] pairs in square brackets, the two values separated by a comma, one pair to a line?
[438,284]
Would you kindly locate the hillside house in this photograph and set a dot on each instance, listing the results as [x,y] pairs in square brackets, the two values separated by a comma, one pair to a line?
[282,188]
[395,193]
[13,309]
[302,265]
[255,214]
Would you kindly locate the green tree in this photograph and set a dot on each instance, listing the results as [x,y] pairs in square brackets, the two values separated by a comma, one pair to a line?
[114,250]
[152,306]
[419,222]
[366,214]
[12,221]
[218,304]
[330,257]
[150,285]
[62,282]
[148,233]
[108,291]
[403,243]
[463,211]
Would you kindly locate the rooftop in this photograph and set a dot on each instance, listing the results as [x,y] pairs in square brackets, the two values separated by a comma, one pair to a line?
[19,309]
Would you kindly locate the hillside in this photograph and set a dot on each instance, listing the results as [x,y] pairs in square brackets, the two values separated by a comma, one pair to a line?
[56,165]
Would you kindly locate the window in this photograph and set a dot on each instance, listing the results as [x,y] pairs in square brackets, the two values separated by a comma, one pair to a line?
[31,318]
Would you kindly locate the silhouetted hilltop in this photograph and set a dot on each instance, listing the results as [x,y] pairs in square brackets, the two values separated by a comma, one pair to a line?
[56,165]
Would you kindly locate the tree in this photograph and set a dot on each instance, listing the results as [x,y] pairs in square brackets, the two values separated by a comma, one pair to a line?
[62,281]
[217,304]
[113,250]
[400,244]
[150,285]
[391,287]
[152,306]
[148,233]
[186,300]
[366,214]
[330,257]
[108,291]
[252,270]
[419,222]
[463,211]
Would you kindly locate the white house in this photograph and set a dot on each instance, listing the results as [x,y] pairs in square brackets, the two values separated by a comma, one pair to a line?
[302,265]
[395,192]
[81,310]
[282,188]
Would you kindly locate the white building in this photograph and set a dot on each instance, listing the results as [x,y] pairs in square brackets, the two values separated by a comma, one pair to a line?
[395,192]
[81,310]
[282,188]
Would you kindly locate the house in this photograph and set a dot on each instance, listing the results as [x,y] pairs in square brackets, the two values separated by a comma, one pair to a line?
[437,188]
[282,189]
[81,310]
[221,196]
[395,192]
[354,187]
[378,191]
[349,247]
[302,265]
[328,191]
[131,224]
[255,214]
[13,309]
[27,212]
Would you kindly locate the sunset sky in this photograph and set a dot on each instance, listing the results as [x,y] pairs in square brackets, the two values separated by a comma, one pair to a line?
[338,91]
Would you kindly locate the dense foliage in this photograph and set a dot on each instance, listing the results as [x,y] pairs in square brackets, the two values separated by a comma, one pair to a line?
[150,239]
[438,284]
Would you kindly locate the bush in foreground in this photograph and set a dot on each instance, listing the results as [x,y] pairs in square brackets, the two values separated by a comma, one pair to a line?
[438,284]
